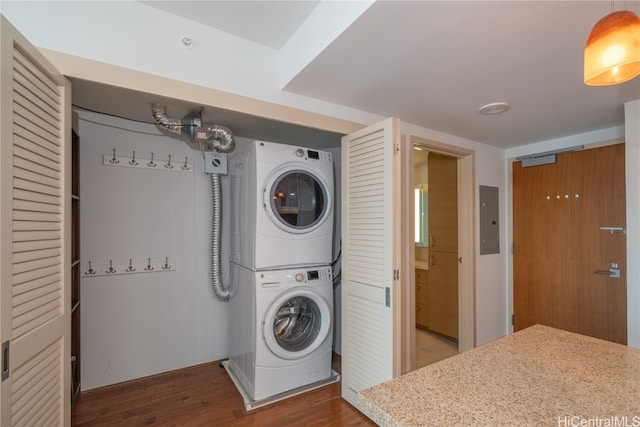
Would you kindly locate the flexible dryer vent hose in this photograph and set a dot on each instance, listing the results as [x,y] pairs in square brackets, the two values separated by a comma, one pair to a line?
[222,293]
[218,138]
[159,113]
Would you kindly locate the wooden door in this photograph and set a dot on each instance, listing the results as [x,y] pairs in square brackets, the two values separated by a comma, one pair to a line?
[35,256]
[442,293]
[443,203]
[443,244]
[371,245]
[563,245]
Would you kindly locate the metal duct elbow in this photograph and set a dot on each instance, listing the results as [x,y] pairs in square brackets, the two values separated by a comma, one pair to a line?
[220,138]
[191,129]
[159,113]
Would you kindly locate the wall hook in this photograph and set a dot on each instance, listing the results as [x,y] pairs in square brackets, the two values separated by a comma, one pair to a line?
[151,163]
[91,270]
[133,161]
[130,269]
[169,165]
[166,265]
[185,167]
[110,269]
[148,267]
[114,160]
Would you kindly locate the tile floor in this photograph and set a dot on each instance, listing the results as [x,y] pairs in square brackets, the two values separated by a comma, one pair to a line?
[431,348]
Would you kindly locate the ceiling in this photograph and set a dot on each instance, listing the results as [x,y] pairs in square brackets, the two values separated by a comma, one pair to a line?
[270,23]
[435,63]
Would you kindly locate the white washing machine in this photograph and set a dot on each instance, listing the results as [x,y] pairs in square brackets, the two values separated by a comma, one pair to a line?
[281,206]
[281,329]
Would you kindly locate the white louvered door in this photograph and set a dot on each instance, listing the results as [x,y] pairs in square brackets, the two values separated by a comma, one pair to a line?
[35,132]
[371,257]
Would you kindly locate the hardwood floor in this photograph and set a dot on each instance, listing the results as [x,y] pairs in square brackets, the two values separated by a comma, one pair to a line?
[204,395]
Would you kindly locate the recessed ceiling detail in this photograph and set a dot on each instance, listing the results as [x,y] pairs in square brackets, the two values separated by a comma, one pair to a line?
[494,108]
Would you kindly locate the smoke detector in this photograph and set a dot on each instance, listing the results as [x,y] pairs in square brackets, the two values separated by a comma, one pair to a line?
[187,43]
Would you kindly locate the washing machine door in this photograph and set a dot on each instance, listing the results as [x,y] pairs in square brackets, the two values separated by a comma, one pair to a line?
[296,324]
[298,200]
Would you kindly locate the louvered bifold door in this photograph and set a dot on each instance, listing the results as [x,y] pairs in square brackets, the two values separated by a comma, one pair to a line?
[34,219]
[370,236]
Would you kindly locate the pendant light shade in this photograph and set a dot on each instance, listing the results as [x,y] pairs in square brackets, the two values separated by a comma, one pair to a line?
[612,51]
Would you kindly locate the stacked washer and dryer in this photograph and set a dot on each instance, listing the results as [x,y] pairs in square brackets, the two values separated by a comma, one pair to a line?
[281,305]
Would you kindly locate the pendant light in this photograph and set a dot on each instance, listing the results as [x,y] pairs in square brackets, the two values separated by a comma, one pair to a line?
[612,51]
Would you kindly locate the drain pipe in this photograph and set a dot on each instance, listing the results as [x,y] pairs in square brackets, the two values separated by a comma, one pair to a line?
[220,139]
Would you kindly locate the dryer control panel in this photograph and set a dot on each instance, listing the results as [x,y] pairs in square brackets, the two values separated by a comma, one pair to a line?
[312,155]
[311,276]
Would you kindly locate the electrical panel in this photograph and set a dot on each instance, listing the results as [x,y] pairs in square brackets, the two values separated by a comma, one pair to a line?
[489,221]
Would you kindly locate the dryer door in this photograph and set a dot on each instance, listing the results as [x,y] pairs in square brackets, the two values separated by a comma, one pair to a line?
[298,200]
[296,324]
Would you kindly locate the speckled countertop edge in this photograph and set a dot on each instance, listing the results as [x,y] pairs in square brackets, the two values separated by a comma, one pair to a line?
[537,376]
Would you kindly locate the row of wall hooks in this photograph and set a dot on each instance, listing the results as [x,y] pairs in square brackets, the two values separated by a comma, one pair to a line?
[565,196]
[152,163]
[149,265]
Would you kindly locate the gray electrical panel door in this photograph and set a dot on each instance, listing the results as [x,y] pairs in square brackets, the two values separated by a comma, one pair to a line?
[489,221]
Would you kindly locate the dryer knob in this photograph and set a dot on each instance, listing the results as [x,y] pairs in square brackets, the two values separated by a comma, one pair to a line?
[299,152]
[299,277]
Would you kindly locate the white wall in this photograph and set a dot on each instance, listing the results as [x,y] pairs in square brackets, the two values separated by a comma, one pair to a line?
[140,324]
[492,314]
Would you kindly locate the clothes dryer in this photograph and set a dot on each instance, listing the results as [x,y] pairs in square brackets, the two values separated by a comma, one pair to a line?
[282,333]
[281,206]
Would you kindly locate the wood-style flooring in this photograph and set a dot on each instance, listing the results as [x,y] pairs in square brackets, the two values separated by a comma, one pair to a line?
[204,395]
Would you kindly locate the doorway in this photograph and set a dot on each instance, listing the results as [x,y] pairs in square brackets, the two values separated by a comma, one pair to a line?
[418,256]
[569,243]
[436,255]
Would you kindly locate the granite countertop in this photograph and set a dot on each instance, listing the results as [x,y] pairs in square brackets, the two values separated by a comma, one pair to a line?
[539,376]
